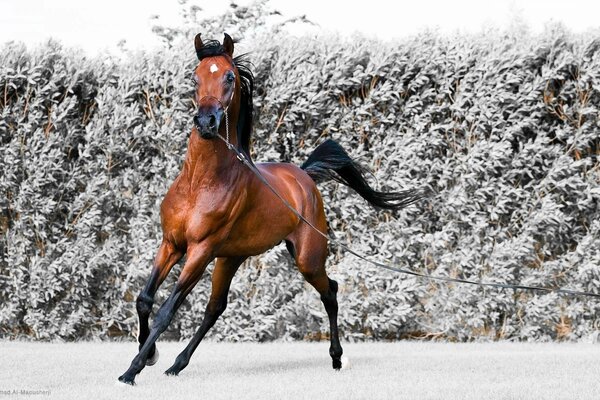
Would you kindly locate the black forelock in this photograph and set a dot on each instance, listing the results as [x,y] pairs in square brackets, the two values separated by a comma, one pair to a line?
[211,48]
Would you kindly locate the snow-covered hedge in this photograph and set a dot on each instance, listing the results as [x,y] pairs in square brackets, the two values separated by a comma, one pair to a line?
[502,127]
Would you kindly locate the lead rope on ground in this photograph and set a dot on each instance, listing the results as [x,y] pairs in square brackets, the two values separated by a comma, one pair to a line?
[240,156]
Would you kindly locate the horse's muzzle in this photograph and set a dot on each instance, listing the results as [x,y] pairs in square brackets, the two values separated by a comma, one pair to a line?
[208,120]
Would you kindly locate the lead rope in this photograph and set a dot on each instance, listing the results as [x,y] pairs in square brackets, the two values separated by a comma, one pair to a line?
[240,156]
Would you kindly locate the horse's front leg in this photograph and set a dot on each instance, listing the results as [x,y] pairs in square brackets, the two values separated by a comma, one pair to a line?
[225,269]
[198,257]
[166,257]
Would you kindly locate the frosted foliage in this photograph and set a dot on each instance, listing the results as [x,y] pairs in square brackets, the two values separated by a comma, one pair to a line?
[502,127]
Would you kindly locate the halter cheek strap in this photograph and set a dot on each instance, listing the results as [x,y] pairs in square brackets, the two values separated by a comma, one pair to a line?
[227,114]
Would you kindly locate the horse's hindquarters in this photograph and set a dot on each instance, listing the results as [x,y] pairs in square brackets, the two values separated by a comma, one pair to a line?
[266,220]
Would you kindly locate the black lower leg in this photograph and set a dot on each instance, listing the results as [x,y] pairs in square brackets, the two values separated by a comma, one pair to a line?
[160,324]
[225,269]
[144,304]
[214,309]
[329,300]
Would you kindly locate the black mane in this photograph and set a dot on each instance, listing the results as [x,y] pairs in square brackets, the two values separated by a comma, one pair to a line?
[213,48]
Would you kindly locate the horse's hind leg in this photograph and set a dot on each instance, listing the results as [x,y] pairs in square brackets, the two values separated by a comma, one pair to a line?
[225,269]
[166,257]
[310,252]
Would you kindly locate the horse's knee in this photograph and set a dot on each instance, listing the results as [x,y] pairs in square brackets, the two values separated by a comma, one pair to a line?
[216,308]
[144,304]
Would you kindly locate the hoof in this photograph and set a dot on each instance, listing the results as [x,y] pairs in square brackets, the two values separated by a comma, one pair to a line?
[152,360]
[337,364]
[175,369]
[127,380]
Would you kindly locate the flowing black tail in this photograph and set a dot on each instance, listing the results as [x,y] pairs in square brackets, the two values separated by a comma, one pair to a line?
[330,161]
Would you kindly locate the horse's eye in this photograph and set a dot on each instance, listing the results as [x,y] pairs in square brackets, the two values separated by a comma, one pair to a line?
[230,77]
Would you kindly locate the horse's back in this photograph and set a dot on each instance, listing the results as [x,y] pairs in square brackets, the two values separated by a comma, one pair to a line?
[297,187]
[288,174]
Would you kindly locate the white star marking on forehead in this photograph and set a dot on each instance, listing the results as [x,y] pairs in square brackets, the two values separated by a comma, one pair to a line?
[213,68]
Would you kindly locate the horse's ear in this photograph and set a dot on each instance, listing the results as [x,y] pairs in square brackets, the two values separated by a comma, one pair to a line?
[228,45]
[198,43]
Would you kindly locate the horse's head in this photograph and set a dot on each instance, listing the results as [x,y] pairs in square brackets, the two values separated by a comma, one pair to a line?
[216,79]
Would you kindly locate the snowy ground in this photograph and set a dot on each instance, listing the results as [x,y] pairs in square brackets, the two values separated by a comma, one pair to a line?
[403,370]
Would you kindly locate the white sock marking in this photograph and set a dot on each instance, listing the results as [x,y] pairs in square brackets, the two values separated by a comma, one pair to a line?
[345,362]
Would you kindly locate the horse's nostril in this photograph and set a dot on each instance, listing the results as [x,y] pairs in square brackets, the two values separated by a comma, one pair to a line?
[212,121]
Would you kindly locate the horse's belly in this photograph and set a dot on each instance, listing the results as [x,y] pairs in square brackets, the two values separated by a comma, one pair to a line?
[258,230]
[236,248]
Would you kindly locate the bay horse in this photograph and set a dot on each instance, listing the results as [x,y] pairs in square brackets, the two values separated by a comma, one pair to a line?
[217,209]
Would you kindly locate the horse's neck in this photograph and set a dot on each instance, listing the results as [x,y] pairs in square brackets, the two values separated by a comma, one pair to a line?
[207,160]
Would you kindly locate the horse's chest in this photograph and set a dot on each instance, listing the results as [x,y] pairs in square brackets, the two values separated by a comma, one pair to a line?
[195,217]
